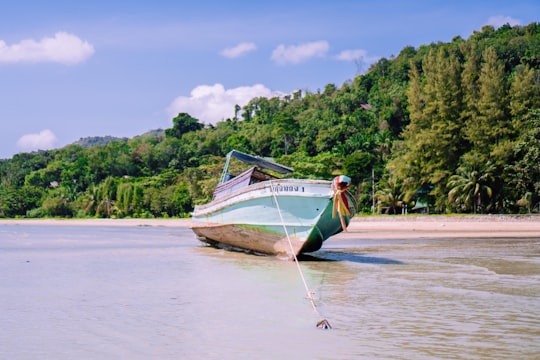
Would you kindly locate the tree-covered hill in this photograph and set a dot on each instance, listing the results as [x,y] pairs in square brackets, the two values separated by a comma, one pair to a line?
[455,125]
[96,141]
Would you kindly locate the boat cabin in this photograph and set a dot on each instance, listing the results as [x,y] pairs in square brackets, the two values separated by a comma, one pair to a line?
[230,183]
[248,177]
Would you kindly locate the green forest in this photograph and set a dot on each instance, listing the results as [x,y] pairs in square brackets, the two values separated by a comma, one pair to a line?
[451,125]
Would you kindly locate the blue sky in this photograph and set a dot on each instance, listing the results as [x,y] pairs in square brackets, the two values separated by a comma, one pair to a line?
[72,69]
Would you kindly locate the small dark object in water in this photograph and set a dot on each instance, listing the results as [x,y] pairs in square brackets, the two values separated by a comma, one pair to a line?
[324,324]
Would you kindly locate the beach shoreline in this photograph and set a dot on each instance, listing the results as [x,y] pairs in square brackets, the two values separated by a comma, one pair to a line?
[441,226]
[372,227]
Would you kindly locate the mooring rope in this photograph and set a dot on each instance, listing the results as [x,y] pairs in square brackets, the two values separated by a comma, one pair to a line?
[323,323]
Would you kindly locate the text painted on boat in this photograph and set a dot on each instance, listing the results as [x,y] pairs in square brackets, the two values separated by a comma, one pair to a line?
[287,188]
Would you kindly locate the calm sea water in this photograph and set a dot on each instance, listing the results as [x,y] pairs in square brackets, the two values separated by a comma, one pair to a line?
[157,293]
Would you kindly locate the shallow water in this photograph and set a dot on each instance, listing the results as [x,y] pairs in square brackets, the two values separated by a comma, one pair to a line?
[157,293]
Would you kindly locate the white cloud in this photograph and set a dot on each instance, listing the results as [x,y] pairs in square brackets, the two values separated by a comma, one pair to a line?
[352,55]
[359,56]
[43,140]
[238,50]
[213,103]
[499,20]
[295,54]
[63,48]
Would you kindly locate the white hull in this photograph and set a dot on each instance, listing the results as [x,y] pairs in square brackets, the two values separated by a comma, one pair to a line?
[271,217]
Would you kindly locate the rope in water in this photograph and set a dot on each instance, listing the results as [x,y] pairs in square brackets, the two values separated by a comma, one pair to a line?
[323,323]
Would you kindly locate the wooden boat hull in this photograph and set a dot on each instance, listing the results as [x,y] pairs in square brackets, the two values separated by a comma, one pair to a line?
[278,217]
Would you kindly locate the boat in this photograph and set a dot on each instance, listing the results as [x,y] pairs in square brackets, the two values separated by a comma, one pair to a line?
[264,211]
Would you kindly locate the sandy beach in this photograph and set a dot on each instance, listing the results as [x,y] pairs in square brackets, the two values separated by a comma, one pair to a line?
[363,227]
[436,226]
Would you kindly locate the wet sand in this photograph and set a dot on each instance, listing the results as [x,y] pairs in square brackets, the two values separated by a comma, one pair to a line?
[392,287]
[364,227]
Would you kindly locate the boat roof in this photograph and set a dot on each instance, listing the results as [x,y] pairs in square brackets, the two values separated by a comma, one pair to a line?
[259,161]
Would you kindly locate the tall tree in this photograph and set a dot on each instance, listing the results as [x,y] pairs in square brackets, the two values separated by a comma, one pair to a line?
[470,85]
[525,171]
[432,139]
[490,127]
[407,163]
[524,92]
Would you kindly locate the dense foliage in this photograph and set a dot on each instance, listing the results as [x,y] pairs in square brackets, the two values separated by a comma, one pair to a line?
[453,125]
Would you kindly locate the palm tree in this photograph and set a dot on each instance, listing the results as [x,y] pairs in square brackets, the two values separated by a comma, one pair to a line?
[389,194]
[383,140]
[470,188]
